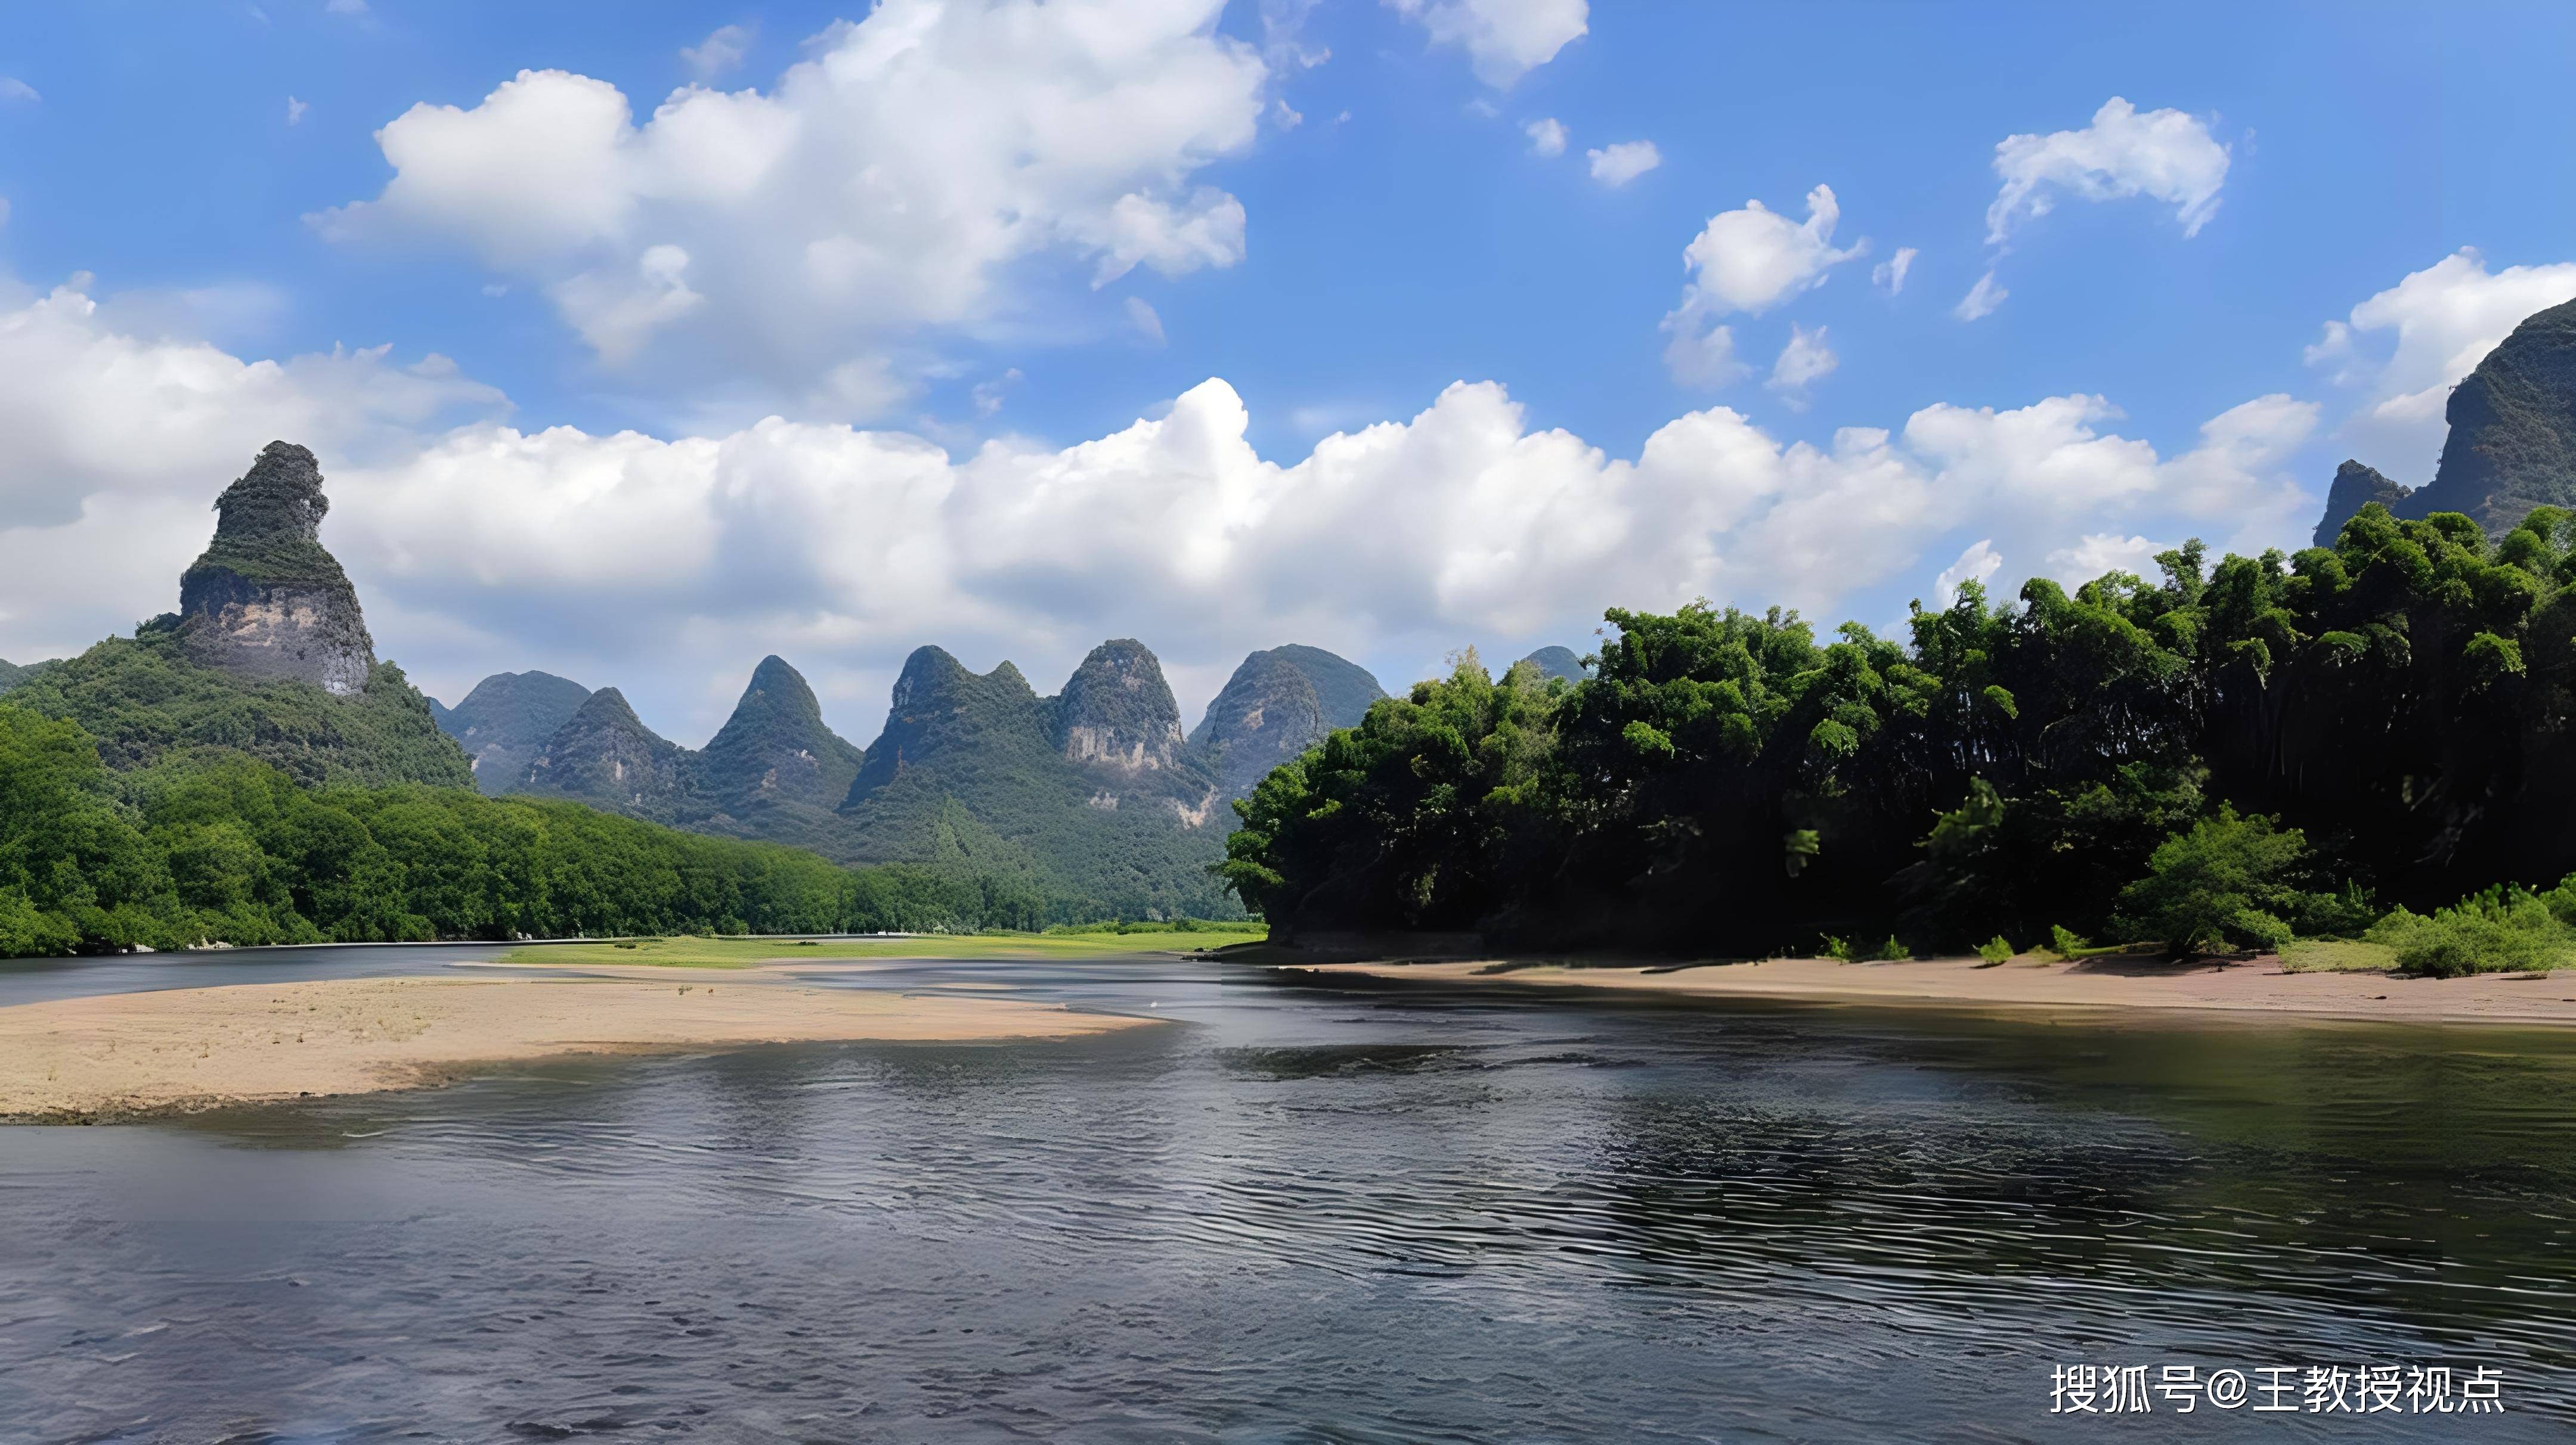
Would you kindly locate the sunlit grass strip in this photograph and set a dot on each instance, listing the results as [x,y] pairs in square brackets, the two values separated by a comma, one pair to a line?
[2337,955]
[752,952]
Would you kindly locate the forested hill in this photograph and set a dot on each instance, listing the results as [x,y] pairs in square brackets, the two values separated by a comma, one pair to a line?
[1086,795]
[11,674]
[506,720]
[2279,743]
[1093,798]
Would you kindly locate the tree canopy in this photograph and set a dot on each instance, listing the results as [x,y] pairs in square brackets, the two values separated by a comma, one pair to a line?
[2391,715]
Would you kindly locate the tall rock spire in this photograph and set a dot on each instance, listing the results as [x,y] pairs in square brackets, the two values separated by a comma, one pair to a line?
[267,600]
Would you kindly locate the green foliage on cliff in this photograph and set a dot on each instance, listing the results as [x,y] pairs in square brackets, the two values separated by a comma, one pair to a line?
[967,775]
[776,770]
[2214,758]
[143,698]
[269,524]
[506,720]
[206,847]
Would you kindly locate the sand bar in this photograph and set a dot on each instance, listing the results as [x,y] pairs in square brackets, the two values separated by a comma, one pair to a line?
[2252,989]
[176,1050]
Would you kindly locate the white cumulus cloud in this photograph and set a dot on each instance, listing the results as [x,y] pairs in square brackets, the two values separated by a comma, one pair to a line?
[1504,39]
[2166,155]
[2406,347]
[893,180]
[1978,564]
[1546,136]
[1624,161]
[667,565]
[1746,260]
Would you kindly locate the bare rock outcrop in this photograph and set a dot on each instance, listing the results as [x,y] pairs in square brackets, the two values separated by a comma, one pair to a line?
[266,600]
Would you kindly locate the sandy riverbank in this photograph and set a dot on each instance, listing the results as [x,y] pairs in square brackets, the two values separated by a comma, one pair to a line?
[2253,989]
[176,1050]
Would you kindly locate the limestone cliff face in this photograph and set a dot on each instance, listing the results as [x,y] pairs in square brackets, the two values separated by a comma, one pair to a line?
[2512,442]
[1279,703]
[266,600]
[2355,487]
[1116,713]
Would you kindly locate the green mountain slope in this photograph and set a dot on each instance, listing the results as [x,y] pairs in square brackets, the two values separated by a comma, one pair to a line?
[145,696]
[1557,662]
[775,770]
[267,657]
[506,721]
[977,770]
[605,756]
[1277,704]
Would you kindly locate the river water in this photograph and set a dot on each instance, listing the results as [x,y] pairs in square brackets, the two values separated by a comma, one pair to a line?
[1299,1214]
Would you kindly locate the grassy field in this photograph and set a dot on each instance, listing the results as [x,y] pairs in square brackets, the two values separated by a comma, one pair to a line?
[2337,955]
[751,952]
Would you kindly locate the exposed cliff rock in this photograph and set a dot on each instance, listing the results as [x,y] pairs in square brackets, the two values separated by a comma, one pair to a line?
[1117,714]
[1279,703]
[2355,487]
[2512,444]
[1556,662]
[506,721]
[606,756]
[268,656]
[775,749]
[2512,440]
[266,600]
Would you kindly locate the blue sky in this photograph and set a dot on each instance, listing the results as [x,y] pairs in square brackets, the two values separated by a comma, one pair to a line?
[1337,208]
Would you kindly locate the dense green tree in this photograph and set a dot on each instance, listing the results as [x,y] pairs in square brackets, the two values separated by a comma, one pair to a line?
[210,845]
[2403,703]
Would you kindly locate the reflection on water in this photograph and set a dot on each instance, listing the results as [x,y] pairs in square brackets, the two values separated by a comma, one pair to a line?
[1315,1216]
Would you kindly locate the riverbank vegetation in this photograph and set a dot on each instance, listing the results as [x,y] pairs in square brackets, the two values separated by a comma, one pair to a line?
[209,845]
[2224,759]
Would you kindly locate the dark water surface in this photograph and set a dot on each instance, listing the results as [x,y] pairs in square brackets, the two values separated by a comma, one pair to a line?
[1300,1215]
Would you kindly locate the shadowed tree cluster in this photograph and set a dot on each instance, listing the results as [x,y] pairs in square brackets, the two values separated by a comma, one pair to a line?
[2212,759]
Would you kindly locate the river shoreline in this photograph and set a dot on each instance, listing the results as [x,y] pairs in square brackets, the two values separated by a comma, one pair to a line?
[2257,989]
[127,1056]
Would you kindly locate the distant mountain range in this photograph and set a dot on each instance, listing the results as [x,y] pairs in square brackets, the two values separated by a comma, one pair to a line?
[1095,793]
[1095,796]
[2511,445]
